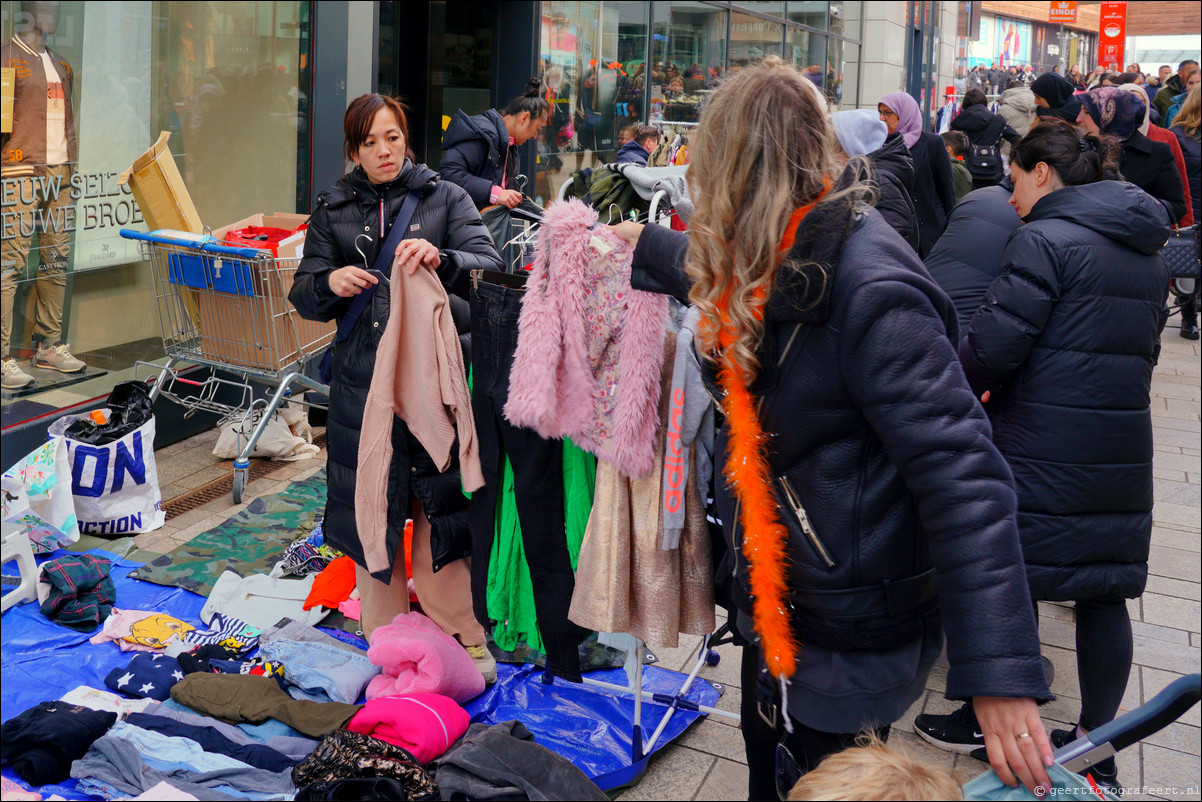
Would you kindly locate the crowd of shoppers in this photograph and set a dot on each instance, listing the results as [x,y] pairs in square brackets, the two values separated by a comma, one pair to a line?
[974,365]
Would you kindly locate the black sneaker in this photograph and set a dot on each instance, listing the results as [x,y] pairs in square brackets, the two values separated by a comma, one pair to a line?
[1105,773]
[960,732]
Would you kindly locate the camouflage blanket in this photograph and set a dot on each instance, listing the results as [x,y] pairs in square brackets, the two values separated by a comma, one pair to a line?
[250,542]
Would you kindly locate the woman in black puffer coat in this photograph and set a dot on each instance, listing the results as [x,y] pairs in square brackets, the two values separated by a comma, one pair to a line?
[897,510]
[447,236]
[1065,344]
[861,132]
[986,131]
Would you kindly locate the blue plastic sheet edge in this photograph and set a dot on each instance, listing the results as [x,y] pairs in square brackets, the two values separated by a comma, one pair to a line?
[41,660]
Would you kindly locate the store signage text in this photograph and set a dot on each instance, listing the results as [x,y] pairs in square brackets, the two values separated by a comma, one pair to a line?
[100,203]
[1063,11]
[1112,34]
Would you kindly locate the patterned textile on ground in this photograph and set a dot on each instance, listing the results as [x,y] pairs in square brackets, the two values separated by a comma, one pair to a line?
[349,755]
[624,581]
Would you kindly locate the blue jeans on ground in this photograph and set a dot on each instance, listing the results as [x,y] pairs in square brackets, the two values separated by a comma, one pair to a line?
[321,672]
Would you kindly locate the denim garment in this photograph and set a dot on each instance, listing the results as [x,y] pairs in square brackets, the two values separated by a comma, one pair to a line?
[265,733]
[113,769]
[287,629]
[538,482]
[321,672]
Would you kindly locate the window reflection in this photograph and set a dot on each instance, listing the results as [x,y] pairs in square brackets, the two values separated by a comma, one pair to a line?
[808,13]
[752,39]
[688,59]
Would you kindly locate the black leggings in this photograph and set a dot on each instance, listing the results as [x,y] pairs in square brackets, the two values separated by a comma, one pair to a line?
[808,746]
[1104,655]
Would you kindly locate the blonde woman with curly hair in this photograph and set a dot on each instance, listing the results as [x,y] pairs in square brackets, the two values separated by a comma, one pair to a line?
[865,507]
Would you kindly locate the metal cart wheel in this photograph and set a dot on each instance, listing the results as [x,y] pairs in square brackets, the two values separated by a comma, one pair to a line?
[240,476]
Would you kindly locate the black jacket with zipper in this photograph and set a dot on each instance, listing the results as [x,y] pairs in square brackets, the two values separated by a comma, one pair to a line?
[476,155]
[984,129]
[1065,342]
[894,179]
[445,218]
[876,435]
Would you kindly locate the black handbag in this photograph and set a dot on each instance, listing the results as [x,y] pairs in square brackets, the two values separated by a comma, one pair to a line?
[1180,253]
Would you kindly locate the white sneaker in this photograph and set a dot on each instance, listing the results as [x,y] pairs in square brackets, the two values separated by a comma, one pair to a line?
[484,662]
[57,357]
[14,378]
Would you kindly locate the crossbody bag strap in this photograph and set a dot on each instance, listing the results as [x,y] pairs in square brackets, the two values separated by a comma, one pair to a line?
[383,265]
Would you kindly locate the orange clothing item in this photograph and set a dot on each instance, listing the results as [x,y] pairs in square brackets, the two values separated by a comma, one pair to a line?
[333,585]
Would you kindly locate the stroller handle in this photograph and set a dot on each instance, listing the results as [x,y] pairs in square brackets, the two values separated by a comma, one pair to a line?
[1163,709]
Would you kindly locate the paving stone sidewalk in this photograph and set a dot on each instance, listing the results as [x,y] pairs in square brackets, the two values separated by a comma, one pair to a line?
[707,762]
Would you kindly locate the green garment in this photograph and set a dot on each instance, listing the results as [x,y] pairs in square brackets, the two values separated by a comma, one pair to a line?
[961,179]
[510,596]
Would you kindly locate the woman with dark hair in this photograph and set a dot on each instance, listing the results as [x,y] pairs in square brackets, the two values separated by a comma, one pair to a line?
[985,131]
[1149,165]
[1055,97]
[1062,349]
[813,309]
[480,154]
[1187,127]
[934,191]
[445,236]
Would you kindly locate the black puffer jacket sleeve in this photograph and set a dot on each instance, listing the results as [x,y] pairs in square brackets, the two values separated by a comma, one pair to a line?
[917,402]
[311,293]
[941,170]
[1012,316]
[658,262]
[468,244]
[462,164]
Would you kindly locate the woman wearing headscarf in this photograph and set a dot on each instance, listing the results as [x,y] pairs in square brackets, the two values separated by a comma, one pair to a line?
[1054,97]
[934,191]
[1157,134]
[1149,165]
[861,133]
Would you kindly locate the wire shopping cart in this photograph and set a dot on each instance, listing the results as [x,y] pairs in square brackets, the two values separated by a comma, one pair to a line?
[227,308]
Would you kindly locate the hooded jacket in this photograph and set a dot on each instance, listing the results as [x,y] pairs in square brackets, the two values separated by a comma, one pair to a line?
[476,155]
[26,144]
[445,218]
[1017,107]
[894,179]
[1164,98]
[1066,341]
[1059,95]
[985,130]
[877,435]
[632,153]
[967,258]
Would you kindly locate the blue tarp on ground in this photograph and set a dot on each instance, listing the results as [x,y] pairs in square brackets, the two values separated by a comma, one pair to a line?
[40,661]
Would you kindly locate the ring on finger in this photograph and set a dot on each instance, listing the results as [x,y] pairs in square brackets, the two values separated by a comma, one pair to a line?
[1022,735]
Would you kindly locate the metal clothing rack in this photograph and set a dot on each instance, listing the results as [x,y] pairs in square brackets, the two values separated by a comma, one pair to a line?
[706,654]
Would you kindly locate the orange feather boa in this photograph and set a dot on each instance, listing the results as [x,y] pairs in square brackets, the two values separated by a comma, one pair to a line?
[765,539]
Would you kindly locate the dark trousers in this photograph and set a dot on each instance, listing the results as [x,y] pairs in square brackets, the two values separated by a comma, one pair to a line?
[808,746]
[538,483]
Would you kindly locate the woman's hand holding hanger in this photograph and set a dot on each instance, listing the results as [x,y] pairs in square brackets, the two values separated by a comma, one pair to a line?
[628,231]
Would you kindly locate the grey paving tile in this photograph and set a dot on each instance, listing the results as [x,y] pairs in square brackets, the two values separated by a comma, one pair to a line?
[715,739]
[683,655]
[1181,493]
[1170,611]
[1159,632]
[730,700]
[1180,588]
[675,772]
[1178,737]
[1169,474]
[727,670]
[905,724]
[1155,681]
[1187,410]
[1176,538]
[1173,423]
[726,780]
[1175,461]
[1175,563]
[1172,390]
[1166,656]
[1174,437]
[1168,513]
[1169,773]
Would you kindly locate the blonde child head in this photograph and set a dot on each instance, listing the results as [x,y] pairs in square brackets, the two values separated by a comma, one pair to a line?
[872,770]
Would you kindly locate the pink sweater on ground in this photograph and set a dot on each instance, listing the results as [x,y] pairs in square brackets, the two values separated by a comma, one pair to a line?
[425,724]
[418,375]
[416,656]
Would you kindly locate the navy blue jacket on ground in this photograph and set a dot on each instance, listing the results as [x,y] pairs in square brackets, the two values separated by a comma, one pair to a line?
[968,257]
[1065,342]
[632,153]
[877,434]
[446,219]
[476,155]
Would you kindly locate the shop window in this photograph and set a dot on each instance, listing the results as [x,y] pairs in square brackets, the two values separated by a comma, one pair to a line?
[807,52]
[229,80]
[775,8]
[688,57]
[752,39]
[847,94]
[592,60]
[809,13]
[845,18]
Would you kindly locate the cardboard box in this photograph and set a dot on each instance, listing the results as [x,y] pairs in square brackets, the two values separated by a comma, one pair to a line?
[8,91]
[159,190]
[261,329]
[293,247]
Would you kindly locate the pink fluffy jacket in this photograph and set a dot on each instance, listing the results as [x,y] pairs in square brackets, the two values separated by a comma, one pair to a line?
[590,349]
[424,724]
[416,656]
